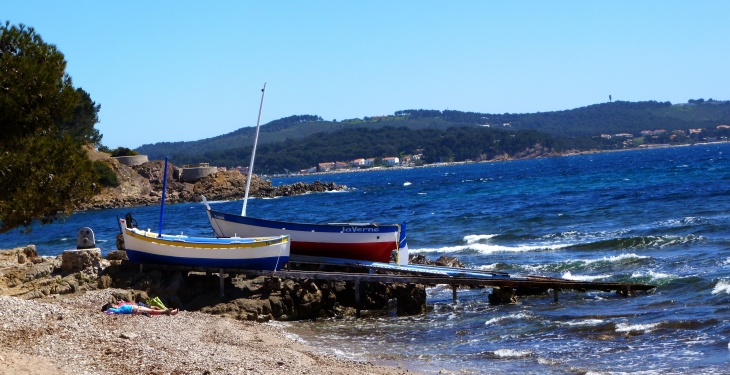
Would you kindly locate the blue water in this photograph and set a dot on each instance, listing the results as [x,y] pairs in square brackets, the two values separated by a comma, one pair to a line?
[657,216]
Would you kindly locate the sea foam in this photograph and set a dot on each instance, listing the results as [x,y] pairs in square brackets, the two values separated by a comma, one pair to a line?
[625,327]
[474,238]
[570,276]
[586,322]
[511,353]
[722,286]
[654,276]
[489,249]
[614,259]
[517,316]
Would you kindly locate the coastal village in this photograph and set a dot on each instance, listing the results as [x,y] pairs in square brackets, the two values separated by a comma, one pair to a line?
[415,159]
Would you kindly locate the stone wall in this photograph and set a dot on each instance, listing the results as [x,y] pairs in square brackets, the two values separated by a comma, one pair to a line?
[132,160]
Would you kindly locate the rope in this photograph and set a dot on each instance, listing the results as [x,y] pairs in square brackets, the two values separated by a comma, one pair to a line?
[277,261]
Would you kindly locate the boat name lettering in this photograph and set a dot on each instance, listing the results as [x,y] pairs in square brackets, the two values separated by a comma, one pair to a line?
[219,217]
[360,229]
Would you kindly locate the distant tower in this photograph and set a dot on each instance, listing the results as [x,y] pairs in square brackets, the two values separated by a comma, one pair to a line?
[609,98]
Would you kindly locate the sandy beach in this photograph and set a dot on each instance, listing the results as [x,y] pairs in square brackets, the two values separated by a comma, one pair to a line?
[72,336]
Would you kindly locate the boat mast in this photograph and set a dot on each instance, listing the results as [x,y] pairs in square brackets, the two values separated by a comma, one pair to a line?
[164,191]
[253,153]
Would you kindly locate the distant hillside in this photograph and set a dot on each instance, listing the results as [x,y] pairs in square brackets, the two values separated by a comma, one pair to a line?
[453,144]
[610,118]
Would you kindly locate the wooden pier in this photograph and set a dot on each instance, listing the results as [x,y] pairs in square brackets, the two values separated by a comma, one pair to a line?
[505,287]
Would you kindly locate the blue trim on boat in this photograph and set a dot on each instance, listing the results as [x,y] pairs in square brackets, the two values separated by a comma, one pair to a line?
[267,263]
[331,228]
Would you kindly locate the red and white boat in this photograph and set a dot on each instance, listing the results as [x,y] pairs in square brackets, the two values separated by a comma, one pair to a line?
[359,241]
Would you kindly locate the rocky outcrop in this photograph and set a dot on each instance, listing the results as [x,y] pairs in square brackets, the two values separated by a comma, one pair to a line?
[259,299]
[142,185]
[443,261]
[536,151]
[81,260]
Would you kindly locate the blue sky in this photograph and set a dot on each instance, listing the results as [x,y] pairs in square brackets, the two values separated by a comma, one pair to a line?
[181,71]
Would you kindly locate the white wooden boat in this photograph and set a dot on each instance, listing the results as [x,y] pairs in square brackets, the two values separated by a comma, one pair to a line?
[262,253]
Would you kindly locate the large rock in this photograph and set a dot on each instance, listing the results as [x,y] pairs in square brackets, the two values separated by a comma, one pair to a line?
[80,260]
[142,185]
[447,261]
[443,261]
[411,298]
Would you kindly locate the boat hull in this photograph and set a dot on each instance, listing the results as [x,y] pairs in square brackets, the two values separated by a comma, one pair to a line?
[370,242]
[268,253]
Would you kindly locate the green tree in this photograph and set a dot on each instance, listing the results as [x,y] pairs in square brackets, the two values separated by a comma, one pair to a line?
[44,174]
[81,126]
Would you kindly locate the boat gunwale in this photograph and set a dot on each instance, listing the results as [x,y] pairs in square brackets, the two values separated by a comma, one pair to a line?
[304,227]
[219,243]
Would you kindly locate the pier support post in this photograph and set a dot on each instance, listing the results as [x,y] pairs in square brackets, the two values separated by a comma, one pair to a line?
[357,297]
[220,278]
[141,267]
[453,293]
[556,291]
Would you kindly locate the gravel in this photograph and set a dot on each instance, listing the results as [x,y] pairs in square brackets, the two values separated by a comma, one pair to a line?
[74,335]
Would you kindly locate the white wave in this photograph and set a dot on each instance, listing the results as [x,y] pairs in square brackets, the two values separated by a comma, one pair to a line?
[511,353]
[64,239]
[613,259]
[489,249]
[520,315]
[406,183]
[721,286]
[727,261]
[488,267]
[474,238]
[653,275]
[533,268]
[570,276]
[625,327]
[334,191]
[586,322]
[421,193]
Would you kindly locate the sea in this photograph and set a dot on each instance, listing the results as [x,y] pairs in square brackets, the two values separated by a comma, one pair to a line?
[655,216]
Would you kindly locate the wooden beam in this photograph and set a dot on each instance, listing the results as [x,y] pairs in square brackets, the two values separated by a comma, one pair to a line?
[357,297]
[220,277]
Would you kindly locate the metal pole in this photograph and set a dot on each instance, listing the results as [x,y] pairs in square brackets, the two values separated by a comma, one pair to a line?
[164,194]
[253,153]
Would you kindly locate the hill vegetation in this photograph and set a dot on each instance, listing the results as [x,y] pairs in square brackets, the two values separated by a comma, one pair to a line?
[611,118]
[299,142]
[453,144]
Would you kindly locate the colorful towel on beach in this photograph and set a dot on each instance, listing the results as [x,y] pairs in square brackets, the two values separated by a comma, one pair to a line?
[156,302]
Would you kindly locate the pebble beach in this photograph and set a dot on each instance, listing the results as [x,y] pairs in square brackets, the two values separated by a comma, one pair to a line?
[72,336]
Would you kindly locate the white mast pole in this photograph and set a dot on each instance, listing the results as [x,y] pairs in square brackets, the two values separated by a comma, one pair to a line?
[253,153]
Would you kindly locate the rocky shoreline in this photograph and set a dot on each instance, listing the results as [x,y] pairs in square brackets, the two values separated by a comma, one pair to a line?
[142,186]
[48,300]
